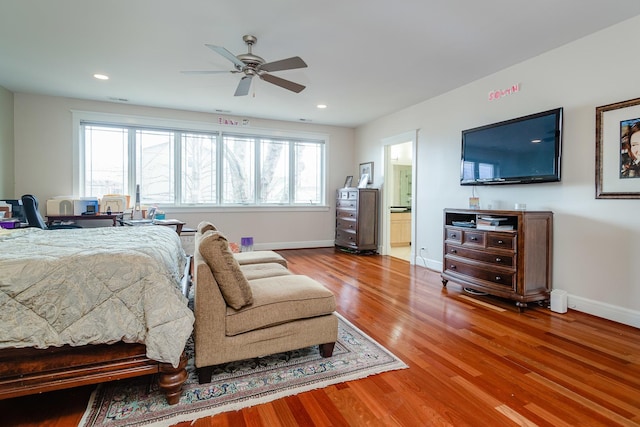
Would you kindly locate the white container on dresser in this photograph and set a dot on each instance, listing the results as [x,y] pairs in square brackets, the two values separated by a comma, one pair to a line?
[510,263]
[357,219]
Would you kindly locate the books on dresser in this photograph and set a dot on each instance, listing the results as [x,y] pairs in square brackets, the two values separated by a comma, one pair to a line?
[492,223]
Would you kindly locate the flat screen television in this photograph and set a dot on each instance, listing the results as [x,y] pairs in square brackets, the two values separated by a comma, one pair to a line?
[524,150]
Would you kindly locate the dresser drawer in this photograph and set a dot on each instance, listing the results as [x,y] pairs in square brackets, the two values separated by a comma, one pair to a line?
[346,203]
[346,214]
[501,241]
[475,273]
[346,224]
[482,256]
[475,238]
[346,238]
[454,234]
[348,194]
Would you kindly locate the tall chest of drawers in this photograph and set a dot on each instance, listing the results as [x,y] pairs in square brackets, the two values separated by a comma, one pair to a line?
[357,219]
[514,264]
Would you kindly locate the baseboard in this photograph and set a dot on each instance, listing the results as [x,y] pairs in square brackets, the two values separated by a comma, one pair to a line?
[274,246]
[604,310]
[429,263]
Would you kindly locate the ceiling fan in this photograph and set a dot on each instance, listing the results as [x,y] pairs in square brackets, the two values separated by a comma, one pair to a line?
[252,65]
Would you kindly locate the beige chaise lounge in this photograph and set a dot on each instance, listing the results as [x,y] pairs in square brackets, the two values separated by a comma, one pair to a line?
[238,318]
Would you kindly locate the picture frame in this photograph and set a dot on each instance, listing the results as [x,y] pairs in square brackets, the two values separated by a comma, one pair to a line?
[364,180]
[367,168]
[348,181]
[617,167]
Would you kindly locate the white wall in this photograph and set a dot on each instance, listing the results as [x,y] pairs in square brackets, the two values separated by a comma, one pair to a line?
[6,144]
[44,167]
[596,242]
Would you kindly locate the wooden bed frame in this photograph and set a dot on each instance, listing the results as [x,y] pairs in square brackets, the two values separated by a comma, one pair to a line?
[26,371]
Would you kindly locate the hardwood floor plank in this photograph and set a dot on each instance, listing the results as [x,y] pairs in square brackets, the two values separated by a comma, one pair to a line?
[473,361]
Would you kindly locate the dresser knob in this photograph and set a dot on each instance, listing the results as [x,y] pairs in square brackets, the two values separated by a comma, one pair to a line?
[453,251]
[500,242]
[498,259]
[453,236]
[474,239]
[498,278]
[453,267]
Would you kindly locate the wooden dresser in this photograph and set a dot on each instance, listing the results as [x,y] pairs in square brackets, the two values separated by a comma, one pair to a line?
[357,219]
[513,264]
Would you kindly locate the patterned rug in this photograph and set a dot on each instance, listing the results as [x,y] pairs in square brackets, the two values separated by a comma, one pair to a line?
[238,385]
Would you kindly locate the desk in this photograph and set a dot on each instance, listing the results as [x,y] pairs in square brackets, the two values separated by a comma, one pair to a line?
[168,222]
[114,217]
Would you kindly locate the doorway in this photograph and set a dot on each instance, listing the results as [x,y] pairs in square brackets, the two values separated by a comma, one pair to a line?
[398,200]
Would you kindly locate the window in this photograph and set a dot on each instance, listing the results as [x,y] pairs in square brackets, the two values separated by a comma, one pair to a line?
[195,168]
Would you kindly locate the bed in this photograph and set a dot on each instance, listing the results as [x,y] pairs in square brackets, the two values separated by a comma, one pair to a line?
[89,305]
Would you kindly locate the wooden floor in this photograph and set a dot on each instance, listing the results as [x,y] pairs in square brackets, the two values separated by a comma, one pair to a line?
[473,361]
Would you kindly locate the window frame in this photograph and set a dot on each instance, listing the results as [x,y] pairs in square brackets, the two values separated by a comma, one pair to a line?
[185,126]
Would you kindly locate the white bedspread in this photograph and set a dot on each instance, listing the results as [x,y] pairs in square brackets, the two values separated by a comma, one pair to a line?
[92,286]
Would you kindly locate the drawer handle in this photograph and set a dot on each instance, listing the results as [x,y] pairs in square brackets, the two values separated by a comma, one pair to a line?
[453,267]
[500,242]
[453,251]
[498,259]
[453,236]
[474,238]
[498,278]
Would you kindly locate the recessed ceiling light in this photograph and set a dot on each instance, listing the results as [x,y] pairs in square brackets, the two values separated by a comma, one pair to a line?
[101,76]
[322,106]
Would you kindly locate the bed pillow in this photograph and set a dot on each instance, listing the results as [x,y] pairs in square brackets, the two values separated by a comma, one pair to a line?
[234,287]
[205,226]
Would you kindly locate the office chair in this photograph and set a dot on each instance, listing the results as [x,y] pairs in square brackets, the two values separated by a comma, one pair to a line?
[34,219]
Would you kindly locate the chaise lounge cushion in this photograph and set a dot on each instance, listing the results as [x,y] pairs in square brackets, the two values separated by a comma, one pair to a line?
[278,300]
[260,271]
[232,283]
[259,257]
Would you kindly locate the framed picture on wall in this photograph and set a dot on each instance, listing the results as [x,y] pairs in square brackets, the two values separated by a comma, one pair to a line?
[367,168]
[618,150]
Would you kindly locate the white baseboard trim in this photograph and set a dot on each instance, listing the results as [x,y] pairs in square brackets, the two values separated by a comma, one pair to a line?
[606,311]
[274,246]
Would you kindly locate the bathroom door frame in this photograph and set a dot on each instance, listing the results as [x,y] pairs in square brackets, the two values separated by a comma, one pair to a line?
[387,193]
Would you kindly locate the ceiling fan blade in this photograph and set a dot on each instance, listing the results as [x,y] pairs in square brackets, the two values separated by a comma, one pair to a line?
[287,84]
[284,64]
[224,52]
[243,86]
[206,72]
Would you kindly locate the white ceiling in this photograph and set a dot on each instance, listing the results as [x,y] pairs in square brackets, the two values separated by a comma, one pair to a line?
[366,58]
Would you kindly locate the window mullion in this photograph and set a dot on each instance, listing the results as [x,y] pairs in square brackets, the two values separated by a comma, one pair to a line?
[257,164]
[292,172]
[177,167]
[133,159]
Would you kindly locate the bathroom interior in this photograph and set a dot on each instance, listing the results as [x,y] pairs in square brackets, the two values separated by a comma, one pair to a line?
[400,206]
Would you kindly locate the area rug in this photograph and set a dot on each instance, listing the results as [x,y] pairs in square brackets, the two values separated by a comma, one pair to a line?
[238,385]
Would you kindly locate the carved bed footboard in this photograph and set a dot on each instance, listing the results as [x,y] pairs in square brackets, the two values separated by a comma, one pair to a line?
[26,371]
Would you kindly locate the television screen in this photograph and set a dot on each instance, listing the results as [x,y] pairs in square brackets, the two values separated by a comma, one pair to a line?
[518,151]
